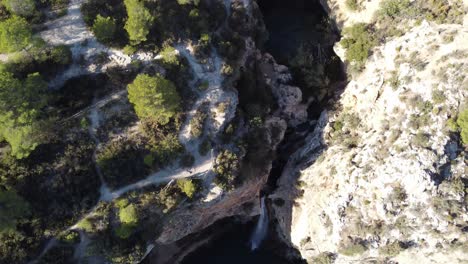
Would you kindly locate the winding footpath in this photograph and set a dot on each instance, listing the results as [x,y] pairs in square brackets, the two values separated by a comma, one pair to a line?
[71,30]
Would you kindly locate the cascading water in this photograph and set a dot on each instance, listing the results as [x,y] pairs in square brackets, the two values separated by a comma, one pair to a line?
[261,228]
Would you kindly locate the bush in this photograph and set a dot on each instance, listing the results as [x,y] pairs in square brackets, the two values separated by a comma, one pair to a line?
[197,124]
[124,231]
[227,69]
[226,169]
[422,139]
[187,186]
[121,162]
[393,8]
[394,80]
[169,55]
[353,249]
[438,96]
[86,225]
[352,5]
[128,215]
[104,29]
[324,258]
[163,140]
[13,208]
[462,122]
[358,41]
[391,249]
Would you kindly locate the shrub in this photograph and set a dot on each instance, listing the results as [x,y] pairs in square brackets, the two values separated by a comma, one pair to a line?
[149,160]
[462,122]
[197,123]
[163,140]
[357,41]
[324,258]
[104,29]
[124,231]
[86,225]
[70,237]
[12,208]
[352,5]
[422,139]
[353,249]
[121,162]
[169,55]
[438,96]
[226,169]
[393,8]
[227,69]
[391,249]
[188,187]
[128,215]
[169,198]
[452,124]
[398,195]
[394,80]
[154,97]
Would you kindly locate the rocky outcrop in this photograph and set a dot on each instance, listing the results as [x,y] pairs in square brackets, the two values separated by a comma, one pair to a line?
[289,98]
[383,177]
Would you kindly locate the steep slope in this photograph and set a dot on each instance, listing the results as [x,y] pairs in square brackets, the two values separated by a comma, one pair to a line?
[384,174]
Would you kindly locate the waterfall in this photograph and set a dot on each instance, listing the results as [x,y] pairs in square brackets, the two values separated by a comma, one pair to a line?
[261,229]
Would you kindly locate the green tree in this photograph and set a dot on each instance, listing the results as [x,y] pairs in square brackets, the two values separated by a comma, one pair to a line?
[104,28]
[129,219]
[154,97]
[139,21]
[187,186]
[12,208]
[128,215]
[462,122]
[20,106]
[15,34]
[24,8]
[169,55]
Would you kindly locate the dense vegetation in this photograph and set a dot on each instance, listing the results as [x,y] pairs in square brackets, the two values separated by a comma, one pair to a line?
[391,20]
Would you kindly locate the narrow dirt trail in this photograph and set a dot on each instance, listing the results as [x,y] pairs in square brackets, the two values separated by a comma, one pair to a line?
[71,30]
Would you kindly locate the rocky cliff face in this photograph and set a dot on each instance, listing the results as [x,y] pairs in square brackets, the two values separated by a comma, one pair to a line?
[383,176]
[175,241]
